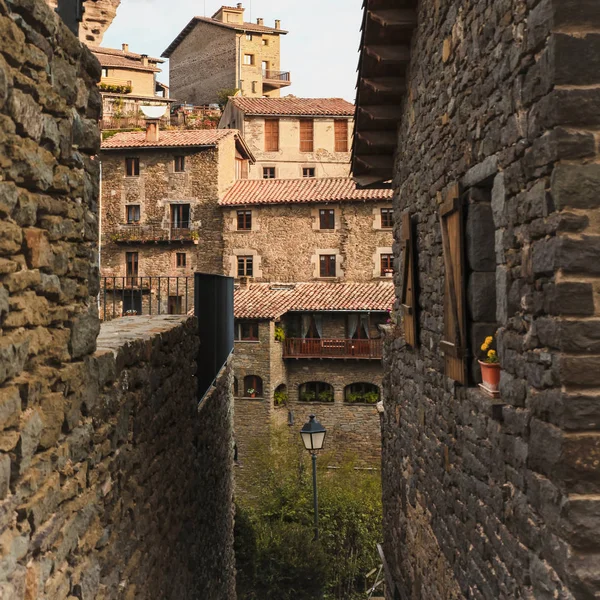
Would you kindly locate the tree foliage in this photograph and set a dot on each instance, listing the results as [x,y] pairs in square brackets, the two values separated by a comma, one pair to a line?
[223,96]
[277,558]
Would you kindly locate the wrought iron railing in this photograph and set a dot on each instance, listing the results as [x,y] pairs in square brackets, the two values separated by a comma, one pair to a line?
[134,295]
[332,348]
[276,75]
[154,232]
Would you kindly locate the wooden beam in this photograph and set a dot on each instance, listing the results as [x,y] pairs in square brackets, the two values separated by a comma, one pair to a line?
[395,55]
[378,139]
[394,17]
[385,85]
[376,162]
[381,112]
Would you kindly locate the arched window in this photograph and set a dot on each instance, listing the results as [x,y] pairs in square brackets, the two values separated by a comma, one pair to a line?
[280,397]
[253,386]
[362,392]
[316,391]
[236,387]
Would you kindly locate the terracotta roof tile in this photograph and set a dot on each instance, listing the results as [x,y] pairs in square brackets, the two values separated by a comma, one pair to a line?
[306,190]
[137,139]
[118,57]
[271,301]
[291,106]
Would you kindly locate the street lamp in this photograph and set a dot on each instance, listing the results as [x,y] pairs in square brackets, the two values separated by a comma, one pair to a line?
[313,436]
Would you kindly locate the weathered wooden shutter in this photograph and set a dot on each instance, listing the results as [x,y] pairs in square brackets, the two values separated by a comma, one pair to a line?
[454,343]
[409,295]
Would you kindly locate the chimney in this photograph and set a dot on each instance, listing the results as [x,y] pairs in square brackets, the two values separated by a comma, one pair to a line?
[239,5]
[152,130]
[260,21]
[144,60]
[125,47]
[277,24]
[245,282]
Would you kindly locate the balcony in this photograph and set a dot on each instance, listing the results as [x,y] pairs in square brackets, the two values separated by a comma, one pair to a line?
[276,79]
[152,232]
[333,348]
[115,85]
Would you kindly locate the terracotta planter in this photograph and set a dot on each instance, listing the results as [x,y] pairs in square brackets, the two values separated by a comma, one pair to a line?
[490,373]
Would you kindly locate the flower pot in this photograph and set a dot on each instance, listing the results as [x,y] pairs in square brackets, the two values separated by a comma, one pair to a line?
[490,373]
[252,395]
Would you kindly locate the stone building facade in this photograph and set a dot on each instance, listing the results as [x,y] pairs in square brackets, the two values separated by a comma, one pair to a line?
[294,137]
[496,178]
[161,214]
[307,340]
[107,463]
[224,52]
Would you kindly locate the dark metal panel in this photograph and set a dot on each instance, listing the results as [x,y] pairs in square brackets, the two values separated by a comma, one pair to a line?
[71,12]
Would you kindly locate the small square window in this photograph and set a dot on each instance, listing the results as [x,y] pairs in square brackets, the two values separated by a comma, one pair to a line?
[268,172]
[247,331]
[245,266]
[104,72]
[179,164]
[308,172]
[265,42]
[249,37]
[327,218]
[248,59]
[244,220]
[387,264]
[254,87]
[133,213]
[387,218]
[181,260]
[327,265]
[132,167]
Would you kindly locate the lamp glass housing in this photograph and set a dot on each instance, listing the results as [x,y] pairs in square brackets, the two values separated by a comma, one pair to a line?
[313,434]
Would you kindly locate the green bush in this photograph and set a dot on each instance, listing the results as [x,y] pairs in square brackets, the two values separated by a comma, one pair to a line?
[279,334]
[307,396]
[326,396]
[372,397]
[280,398]
[276,559]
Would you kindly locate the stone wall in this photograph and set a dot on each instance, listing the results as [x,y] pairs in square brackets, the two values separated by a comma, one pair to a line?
[497,498]
[287,241]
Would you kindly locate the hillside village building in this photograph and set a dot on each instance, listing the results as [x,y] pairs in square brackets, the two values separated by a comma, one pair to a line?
[128,82]
[160,212]
[224,52]
[488,493]
[294,137]
[313,259]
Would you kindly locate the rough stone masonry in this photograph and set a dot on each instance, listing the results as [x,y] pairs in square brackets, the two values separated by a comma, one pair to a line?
[483,498]
[113,483]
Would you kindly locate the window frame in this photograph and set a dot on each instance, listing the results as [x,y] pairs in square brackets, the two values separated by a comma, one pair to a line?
[245,263]
[132,267]
[327,217]
[254,382]
[307,135]
[305,176]
[249,37]
[128,208]
[327,263]
[179,208]
[273,170]
[134,163]
[178,256]
[271,135]
[179,163]
[253,336]
[248,64]
[386,262]
[244,220]
[388,221]
[340,129]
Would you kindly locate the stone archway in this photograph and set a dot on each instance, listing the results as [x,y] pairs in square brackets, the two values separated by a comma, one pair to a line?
[97,17]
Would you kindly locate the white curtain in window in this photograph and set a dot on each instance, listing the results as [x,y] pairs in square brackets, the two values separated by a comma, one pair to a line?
[305,325]
[319,324]
[364,321]
[352,325]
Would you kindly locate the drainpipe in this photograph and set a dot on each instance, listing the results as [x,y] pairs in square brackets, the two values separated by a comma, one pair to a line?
[100,232]
[239,80]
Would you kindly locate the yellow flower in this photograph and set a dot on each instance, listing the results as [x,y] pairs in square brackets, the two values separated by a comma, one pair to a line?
[492,354]
[489,339]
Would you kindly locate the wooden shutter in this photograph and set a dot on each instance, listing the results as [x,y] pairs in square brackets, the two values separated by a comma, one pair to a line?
[454,343]
[271,135]
[409,295]
[306,135]
[341,135]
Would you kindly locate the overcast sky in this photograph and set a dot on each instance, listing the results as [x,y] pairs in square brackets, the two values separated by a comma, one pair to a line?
[321,49]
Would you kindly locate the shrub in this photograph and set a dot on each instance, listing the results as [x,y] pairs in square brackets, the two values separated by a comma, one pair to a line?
[279,334]
[326,396]
[280,398]
[372,397]
[307,396]
[223,96]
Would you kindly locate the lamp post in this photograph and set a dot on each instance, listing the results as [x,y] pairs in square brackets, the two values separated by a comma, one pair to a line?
[313,436]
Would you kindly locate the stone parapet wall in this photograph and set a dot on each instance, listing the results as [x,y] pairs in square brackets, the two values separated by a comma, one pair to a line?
[497,498]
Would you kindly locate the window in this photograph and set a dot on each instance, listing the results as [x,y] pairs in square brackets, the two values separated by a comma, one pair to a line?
[341,135]
[361,392]
[265,42]
[268,172]
[180,216]
[246,331]
[306,135]
[387,264]
[316,391]
[244,220]
[327,218]
[271,135]
[245,266]
[358,326]
[387,218]
[253,386]
[179,164]
[308,172]
[254,88]
[327,265]
[132,167]
[175,305]
[241,168]
[131,267]
[248,59]
[133,213]
[265,68]
[104,72]
[249,37]
[236,387]
[181,260]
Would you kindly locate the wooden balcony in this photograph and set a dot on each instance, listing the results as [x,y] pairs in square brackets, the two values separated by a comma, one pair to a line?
[333,348]
[276,79]
[134,233]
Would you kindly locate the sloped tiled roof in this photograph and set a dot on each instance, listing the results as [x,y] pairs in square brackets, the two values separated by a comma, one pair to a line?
[111,57]
[299,191]
[271,301]
[292,106]
[249,27]
[137,139]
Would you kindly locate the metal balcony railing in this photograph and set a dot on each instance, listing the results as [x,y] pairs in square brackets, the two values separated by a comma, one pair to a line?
[333,348]
[281,76]
[181,231]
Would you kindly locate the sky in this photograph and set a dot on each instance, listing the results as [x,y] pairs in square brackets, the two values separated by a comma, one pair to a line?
[320,50]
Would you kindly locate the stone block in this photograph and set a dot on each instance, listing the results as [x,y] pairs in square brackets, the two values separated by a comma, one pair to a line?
[10,407]
[581,454]
[26,113]
[579,255]
[499,201]
[570,299]
[53,417]
[576,58]
[481,294]
[480,237]
[85,328]
[8,197]
[10,238]
[573,144]
[31,430]
[4,475]
[576,186]
[580,522]
[580,371]
[578,13]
